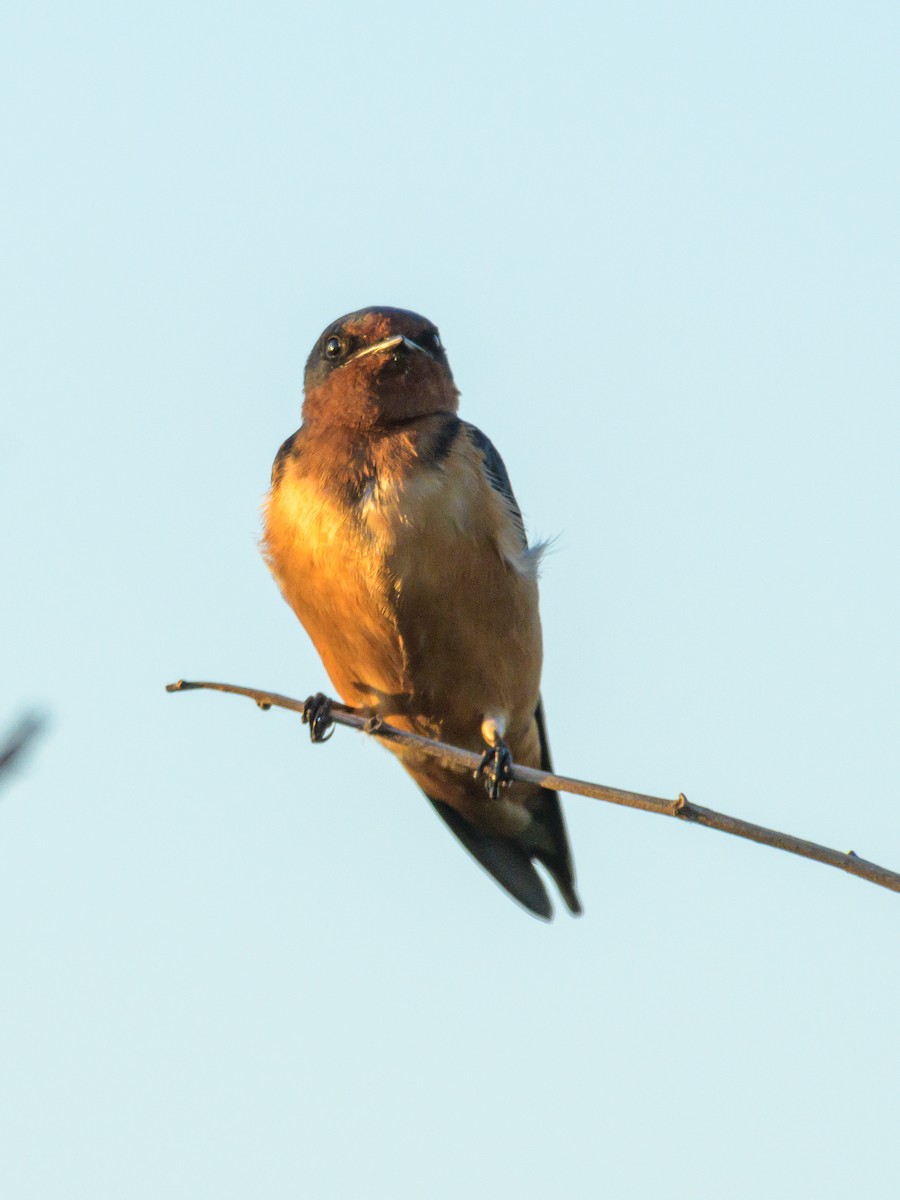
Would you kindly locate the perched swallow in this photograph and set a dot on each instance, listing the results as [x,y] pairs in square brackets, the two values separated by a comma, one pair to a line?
[393,532]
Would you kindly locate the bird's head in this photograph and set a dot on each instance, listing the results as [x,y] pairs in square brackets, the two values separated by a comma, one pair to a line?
[376,368]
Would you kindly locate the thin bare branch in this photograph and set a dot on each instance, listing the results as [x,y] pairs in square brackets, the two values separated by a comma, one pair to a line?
[680,808]
[27,729]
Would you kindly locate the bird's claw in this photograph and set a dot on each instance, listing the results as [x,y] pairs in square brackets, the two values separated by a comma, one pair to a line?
[495,769]
[317,715]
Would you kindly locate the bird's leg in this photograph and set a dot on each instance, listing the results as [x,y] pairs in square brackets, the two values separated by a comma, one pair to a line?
[495,767]
[317,715]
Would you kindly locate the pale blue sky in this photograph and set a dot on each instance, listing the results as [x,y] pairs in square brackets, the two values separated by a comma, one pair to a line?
[661,243]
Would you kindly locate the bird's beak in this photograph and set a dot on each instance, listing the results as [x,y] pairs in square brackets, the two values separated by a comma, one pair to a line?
[387,344]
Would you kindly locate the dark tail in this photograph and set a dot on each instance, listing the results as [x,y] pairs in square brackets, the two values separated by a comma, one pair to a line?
[507,861]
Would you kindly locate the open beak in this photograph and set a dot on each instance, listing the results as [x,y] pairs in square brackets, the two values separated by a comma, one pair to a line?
[387,344]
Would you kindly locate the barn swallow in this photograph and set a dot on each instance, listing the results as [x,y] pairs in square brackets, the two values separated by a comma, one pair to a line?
[392,530]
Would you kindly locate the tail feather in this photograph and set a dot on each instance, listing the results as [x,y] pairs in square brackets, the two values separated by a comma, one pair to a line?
[511,860]
[505,860]
[559,862]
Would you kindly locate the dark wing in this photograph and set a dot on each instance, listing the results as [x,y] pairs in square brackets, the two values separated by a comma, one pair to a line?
[507,861]
[496,474]
[559,863]
[509,864]
[285,451]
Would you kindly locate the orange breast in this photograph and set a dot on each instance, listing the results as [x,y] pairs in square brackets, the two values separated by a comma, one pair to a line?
[411,598]
[336,585]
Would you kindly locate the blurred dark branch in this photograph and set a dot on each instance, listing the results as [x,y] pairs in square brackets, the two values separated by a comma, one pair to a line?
[23,734]
[681,808]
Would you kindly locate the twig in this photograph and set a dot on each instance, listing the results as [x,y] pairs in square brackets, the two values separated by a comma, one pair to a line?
[681,808]
[27,729]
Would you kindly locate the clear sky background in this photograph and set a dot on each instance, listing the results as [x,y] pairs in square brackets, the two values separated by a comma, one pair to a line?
[661,243]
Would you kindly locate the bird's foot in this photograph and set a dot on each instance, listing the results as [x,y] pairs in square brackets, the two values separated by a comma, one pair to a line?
[317,715]
[495,768]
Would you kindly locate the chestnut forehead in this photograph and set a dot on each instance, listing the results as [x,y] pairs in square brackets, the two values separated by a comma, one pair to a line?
[374,324]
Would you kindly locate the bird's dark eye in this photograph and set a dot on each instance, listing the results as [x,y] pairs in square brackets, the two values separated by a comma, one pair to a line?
[334,347]
[430,340]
